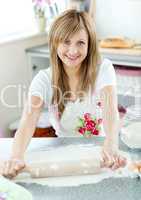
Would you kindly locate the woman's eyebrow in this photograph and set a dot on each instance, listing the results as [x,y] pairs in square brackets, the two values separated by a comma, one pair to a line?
[82,40]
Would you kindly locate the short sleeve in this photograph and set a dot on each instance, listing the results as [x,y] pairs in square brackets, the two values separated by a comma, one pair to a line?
[106,75]
[41,86]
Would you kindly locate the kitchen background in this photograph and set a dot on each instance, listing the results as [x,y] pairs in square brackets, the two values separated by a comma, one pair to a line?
[20,32]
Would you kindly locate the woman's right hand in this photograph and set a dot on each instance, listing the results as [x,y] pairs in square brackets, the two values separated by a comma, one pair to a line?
[11,168]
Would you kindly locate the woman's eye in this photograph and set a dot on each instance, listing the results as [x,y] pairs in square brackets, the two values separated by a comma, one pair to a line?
[66,42]
[81,43]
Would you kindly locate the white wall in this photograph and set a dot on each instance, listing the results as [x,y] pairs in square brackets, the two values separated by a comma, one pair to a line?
[119,18]
[14,70]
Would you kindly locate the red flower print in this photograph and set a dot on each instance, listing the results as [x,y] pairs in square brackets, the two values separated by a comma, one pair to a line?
[95,132]
[82,130]
[87,116]
[89,125]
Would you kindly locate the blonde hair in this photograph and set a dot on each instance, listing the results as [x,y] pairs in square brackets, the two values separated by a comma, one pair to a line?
[67,24]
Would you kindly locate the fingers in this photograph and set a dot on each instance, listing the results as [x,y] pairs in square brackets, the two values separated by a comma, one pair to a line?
[122,161]
[116,164]
[113,161]
[11,168]
[108,159]
[12,171]
[19,165]
[8,170]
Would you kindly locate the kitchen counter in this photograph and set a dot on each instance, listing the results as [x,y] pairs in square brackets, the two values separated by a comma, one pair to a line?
[39,51]
[127,57]
[108,189]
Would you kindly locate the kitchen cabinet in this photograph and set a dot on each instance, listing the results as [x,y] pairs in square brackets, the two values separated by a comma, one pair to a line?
[38,59]
[123,57]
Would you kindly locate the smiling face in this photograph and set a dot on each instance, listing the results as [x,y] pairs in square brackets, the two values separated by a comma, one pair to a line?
[73,50]
[73,54]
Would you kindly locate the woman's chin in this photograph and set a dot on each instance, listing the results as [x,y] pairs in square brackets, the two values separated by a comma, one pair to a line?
[72,64]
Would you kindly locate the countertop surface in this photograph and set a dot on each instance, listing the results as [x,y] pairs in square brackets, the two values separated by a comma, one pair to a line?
[109,189]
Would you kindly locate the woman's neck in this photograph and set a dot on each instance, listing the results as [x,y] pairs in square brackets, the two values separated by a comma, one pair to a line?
[72,72]
[73,78]
[73,83]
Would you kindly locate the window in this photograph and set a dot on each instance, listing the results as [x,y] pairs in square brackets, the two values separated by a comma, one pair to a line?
[16,18]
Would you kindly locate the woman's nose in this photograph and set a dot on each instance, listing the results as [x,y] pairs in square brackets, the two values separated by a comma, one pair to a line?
[73,50]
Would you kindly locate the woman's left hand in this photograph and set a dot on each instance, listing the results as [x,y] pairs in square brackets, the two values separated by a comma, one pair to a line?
[111,157]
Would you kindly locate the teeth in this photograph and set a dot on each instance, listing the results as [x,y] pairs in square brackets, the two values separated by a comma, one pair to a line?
[72,58]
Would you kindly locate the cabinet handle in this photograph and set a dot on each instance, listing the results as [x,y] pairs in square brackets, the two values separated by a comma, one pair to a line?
[34,67]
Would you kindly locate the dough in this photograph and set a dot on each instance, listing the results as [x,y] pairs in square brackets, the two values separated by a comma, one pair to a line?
[70,155]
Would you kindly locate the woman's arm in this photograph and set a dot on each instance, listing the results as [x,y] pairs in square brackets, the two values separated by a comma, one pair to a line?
[110,117]
[30,116]
[110,113]
[27,126]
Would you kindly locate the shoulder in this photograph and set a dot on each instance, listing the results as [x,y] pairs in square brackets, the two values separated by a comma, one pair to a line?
[105,65]
[41,80]
[41,85]
[45,73]
[106,74]
[42,77]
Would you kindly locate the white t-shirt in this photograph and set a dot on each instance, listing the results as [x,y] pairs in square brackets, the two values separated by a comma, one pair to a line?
[66,126]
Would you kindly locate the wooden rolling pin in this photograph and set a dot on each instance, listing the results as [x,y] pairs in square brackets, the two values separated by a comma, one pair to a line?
[46,169]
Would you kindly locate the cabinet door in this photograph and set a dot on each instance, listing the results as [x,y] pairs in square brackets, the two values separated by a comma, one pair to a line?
[37,63]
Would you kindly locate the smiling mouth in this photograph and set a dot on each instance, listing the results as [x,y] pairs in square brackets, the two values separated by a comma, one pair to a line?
[72,58]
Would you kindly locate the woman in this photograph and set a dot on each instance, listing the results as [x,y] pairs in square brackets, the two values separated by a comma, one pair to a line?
[75,84]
